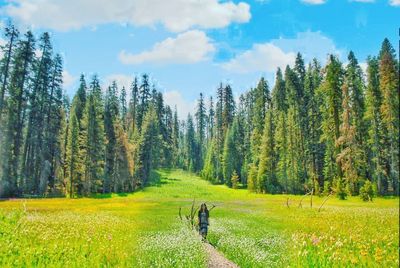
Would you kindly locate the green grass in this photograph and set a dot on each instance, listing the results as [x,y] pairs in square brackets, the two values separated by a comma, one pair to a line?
[143,229]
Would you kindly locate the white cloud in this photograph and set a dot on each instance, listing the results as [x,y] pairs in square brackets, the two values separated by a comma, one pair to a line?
[261,57]
[68,79]
[314,2]
[174,98]
[2,43]
[189,47]
[310,45]
[175,15]
[122,80]
[267,57]
[364,67]
[394,2]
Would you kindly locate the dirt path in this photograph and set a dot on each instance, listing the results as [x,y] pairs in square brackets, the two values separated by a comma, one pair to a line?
[216,259]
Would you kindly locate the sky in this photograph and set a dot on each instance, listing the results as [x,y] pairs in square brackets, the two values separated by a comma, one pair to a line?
[190,46]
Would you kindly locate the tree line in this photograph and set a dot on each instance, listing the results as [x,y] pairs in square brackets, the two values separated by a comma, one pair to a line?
[329,128]
[100,142]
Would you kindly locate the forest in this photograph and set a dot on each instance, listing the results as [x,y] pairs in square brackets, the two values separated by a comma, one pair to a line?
[331,129]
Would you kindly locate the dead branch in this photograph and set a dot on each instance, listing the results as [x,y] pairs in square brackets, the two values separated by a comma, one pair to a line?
[213,206]
[190,218]
[329,195]
[301,200]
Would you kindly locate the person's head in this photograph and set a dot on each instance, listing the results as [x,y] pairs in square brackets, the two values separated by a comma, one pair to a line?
[203,207]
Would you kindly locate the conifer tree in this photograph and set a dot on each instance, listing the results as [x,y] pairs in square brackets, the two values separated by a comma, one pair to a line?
[148,147]
[331,110]
[201,120]
[389,85]
[14,124]
[231,155]
[11,34]
[373,119]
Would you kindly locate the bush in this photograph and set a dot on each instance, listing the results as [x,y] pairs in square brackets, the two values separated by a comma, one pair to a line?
[234,180]
[340,189]
[367,191]
[327,188]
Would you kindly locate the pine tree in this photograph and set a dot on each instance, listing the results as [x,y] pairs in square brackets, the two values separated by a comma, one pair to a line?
[231,154]
[14,124]
[11,34]
[144,99]
[266,176]
[148,147]
[33,162]
[93,124]
[73,153]
[261,97]
[201,120]
[331,110]
[133,105]
[315,147]
[175,139]
[351,153]
[389,85]
[191,146]
[228,108]
[211,120]
[123,108]
[373,119]
[352,157]
[52,126]
[111,114]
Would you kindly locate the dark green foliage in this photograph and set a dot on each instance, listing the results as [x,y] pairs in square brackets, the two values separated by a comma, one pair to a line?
[148,147]
[340,188]
[367,191]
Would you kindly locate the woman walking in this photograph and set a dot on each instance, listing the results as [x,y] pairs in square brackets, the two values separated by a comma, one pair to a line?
[203,221]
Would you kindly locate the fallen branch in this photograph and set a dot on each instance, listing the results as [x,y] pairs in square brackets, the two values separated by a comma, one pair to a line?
[301,200]
[329,195]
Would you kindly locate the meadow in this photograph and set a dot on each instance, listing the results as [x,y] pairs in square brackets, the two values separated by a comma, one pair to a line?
[143,229]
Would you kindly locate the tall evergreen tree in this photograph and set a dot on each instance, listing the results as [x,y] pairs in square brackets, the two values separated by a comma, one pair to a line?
[16,106]
[148,147]
[201,120]
[373,118]
[232,159]
[389,85]
[133,104]
[11,34]
[331,110]
[144,99]
[266,177]
[111,114]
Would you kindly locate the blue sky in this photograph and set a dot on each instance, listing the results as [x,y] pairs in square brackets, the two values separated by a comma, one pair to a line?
[189,46]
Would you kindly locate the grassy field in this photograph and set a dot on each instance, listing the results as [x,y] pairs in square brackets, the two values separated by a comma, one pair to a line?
[143,229]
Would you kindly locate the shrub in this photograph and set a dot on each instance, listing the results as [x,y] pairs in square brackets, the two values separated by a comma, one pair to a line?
[234,180]
[327,188]
[340,189]
[367,191]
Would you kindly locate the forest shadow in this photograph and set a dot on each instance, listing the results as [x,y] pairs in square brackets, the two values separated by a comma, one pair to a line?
[107,195]
[158,180]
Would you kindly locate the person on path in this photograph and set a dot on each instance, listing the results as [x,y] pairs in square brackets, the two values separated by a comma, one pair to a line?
[203,216]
